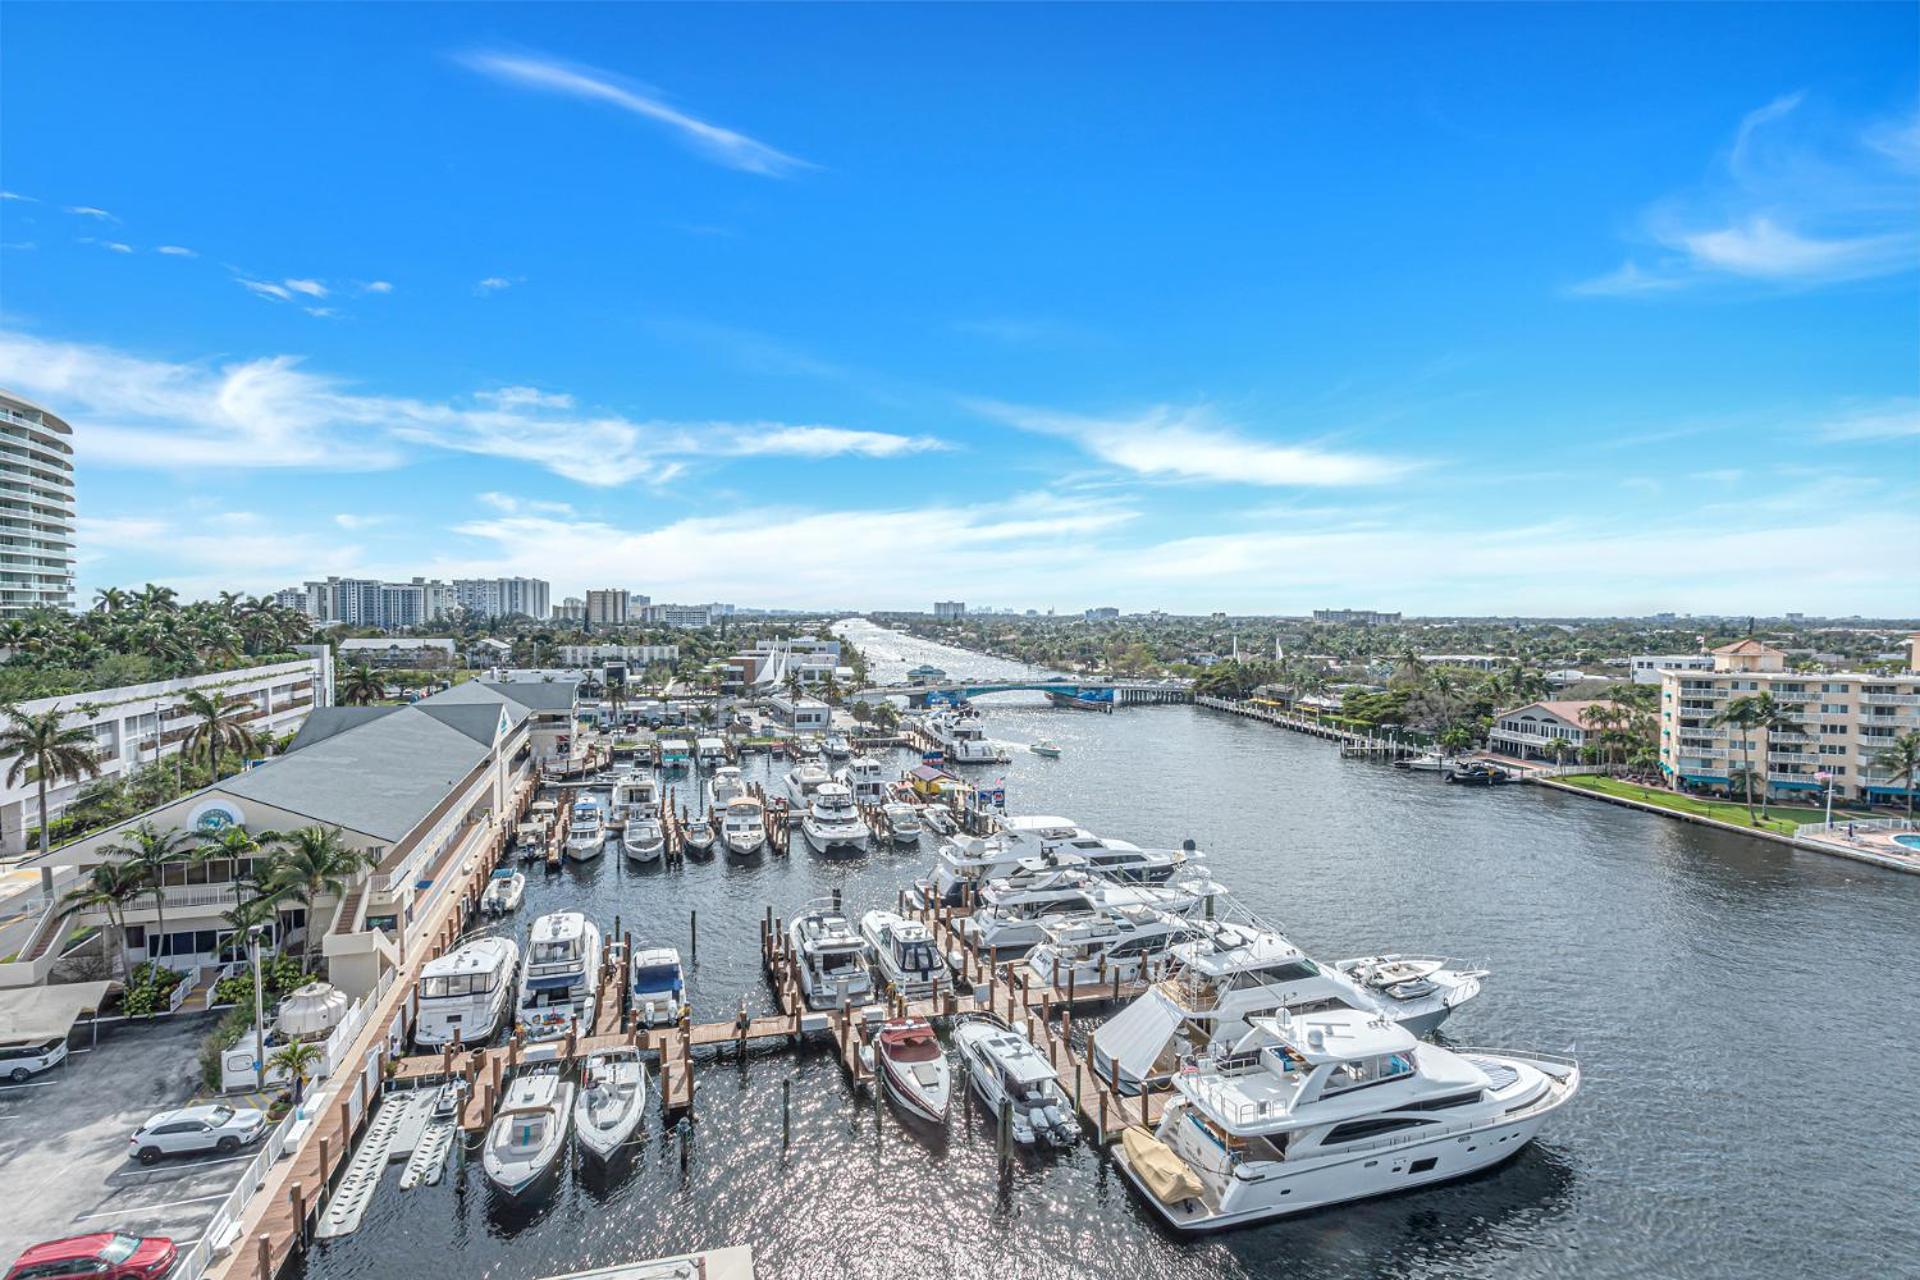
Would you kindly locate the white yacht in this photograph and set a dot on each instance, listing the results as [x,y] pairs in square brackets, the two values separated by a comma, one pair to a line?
[744,828]
[903,821]
[866,778]
[710,751]
[505,889]
[1235,972]
[1314,1109]
[1427,762]
[723,788]
[831,823]
[1014,918]
[837,747]
[528,1133]
[1418,992]
[804,779]
[645,839]
[464,994]
[1127,943]
[832,959]
[904,953]
[612,1098]
[562,976]
[1003,1065]
[587,836]
[961,737]
[965,861]
[659,986]
[635,795]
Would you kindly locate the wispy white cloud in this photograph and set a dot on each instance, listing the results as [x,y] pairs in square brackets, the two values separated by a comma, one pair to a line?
[324,313]
[1888,420]
[1193,444]
[176,251]
[824,442]
[723,146]
[526,397]
[88,211]
[1794,202]
[15,195]
[493,284]
[116,246]
[312,288]
[377,286]
[265,289]
[513,505]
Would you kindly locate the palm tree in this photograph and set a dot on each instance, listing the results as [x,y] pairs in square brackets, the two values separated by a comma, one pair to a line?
[222,727]
[1902,762]
[362,687]
[109,887]
[312,861]
[149,851]
[110,600]
[1775,717]
[297,1061]
[1746,715]
[235,845]
[46,751]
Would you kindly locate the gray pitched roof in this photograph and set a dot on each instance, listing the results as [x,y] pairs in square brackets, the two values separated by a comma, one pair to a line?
[323,722]
[478,720]
[521,696]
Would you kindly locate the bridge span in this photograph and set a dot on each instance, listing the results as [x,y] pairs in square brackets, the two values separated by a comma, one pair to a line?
[1099,695]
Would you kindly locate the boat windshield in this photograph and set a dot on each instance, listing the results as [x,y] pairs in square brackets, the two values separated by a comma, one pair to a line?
[656,975]
[439,986]
[566,951]
[914,957]
[839,961]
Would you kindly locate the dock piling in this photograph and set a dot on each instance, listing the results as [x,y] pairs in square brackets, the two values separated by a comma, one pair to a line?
[786,1113]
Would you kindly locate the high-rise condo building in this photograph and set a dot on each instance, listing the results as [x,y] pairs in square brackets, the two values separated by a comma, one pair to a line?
[36,508]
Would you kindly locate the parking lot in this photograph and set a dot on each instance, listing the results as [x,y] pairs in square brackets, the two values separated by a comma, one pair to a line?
[63,1142]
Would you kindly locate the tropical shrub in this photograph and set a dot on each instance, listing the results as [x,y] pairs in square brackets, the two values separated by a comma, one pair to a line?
[148,987]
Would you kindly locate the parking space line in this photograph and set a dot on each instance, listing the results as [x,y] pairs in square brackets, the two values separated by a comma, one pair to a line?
[152,1208]
[44,1084]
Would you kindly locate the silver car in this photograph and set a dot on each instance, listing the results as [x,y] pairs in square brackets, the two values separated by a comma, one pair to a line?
[206,1128]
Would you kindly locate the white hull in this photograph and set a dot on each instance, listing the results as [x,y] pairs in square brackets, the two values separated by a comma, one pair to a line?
[503,897]
[586,850]
[834,837]
[641,845]
[605,1117]
[523,1145]
[919,1099]
[744,843]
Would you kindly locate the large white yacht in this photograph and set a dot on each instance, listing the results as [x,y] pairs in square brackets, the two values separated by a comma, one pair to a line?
[1240,970]
[804,779]
[465,993]
[587,832]
[561,977]
[1314,1109]
[635,795]
[961,736]
[831,823]
[866,778]
[832,959]
[723,788]
[1127,943]
[904,953]
[744,828]
[1014,918]
[965,861]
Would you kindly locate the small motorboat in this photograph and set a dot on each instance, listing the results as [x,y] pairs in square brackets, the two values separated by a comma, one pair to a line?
[526,1138]
[1046,747]
[610,1103]
[644,840]
[913,1068]
[1476,773]
[837,747]
[1427,762]
[1003,1066]
[659,986]
[903,821]
[697,835]
[505,888]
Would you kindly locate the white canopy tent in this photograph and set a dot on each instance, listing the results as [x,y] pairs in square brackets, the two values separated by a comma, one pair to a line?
[47,1013]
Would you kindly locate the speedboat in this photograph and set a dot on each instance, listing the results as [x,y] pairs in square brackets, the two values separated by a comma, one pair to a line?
[1477,773]
[723,788]
[1127,943]
[866,778]
[961,737]
[644,840]
[807,747]
[1314,1109]
[1427,762]
[562,976]
[903,821]
[587,836]
[1237,971]
[744,827]
[904,953]
[837,747]
[913,1068]
[611,1100]
[831,823]
[832,959]
[1003,1066]
[524,1142]
[1046,747]
[804,779]
[635,795]
[659,986]
[505,888]
[464,994]
[697,835]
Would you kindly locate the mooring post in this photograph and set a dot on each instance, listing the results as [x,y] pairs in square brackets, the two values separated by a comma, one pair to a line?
[1006,1134]
[786,1113]
[264,1255]
[693,934]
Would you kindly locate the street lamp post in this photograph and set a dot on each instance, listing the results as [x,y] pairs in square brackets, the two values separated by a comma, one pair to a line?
[259,1012]
[1827,778]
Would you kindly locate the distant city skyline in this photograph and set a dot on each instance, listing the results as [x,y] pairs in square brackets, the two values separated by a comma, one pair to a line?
[1461,311]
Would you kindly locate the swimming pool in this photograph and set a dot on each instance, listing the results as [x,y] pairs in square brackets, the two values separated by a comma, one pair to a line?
[1907,842]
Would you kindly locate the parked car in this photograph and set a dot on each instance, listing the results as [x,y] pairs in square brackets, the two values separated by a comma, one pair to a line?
[105,1255]
[20,1059]
[189,1129]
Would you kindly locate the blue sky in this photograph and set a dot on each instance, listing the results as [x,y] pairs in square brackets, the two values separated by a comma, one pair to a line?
[1476,309]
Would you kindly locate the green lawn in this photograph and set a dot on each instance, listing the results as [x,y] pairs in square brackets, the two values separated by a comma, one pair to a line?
[1780,819]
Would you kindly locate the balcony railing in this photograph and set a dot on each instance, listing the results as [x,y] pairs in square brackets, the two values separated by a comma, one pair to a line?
[1891,699]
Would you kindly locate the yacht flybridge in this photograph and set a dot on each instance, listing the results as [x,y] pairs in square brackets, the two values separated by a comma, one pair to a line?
[635,795]
[832,960]
[561,976]
[1127,942]
[744,827]
[1318,1108]
[1014,917]
[1238,970]
[464,994]
[804,779]
[587,836]
[966,861]
[831,823]
[904,953]
[723,788]
[865,778]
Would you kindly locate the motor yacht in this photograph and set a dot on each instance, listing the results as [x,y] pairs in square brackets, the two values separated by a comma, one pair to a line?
[611,1100]
[832,959]
[744,827]
[866,778]
[966,861]
[635,795]
[1127,942]
[1239,970]
[807,747]
[961,737]
[913,1068]
[903,821]
[904,953]
[505,889]
[644,840]
[804,779]
[697,836]
[659,986]
[1427,762]
[831,823]
[1012,916]
[1003,1066]
[587,835]
[1313,1109]
[562,976]
[836,746]
[464,994]
[723,788]
[525,1140]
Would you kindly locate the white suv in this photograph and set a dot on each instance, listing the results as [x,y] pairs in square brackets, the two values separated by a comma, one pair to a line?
[216,1128]
[20,1059]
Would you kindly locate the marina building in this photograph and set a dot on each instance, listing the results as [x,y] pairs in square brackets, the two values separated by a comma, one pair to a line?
[1530,732]
[799,712]
[1841,721]
[36,508]
[1647,667]
[135,725]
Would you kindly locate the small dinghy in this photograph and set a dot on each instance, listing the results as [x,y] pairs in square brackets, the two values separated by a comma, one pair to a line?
[913,1068]
[697,836]
[612,1098]
[526,1138]
[505,888]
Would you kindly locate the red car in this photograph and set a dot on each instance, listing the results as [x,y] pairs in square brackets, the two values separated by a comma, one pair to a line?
[106,1255]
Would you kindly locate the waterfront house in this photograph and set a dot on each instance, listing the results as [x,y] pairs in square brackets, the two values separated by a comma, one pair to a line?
[1529,732]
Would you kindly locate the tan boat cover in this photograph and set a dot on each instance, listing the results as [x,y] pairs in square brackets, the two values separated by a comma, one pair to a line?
[1164,1173]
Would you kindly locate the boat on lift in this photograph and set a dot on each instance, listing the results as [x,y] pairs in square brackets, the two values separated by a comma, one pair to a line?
[610,1102]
